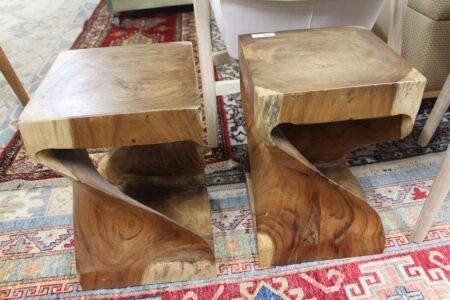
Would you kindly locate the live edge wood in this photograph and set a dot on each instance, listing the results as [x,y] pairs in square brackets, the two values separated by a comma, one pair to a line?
[309,97]
[145,217]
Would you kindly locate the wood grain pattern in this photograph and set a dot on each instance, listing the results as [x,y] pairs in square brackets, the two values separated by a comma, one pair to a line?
[147,219]
[309,97]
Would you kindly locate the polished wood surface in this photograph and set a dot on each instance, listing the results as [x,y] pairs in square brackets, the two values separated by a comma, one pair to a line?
[126,5]
[11,77]
[204,40]
[309,97]
[147,219]
[91,90]
[397,13]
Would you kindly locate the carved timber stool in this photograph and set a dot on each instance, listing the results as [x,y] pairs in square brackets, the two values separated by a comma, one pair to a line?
[147,219]
[309,97]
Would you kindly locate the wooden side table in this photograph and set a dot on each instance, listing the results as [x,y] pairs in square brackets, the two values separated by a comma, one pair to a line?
[147,219]
[309,97]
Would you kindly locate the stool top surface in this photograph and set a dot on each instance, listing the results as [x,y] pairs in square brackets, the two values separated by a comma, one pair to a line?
[326,75]
[320,59]
[116,96]
[117,80]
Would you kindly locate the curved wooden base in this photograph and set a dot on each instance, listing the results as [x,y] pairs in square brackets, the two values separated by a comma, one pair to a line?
[118,245]
[162,234]
[308,206]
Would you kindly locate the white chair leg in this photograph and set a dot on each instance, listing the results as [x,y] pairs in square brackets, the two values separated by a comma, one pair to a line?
[439,191]
[226,87]
[439,109]
[203,27]
[396,21]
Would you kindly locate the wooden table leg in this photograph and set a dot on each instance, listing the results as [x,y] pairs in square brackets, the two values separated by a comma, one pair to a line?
[13,80]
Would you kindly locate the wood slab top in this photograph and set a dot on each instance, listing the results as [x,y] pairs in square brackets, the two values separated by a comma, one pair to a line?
[117,80]
[117,96]
[326,75]
[321,59]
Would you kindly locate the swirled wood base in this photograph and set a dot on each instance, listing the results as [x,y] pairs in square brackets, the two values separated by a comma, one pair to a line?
[306,105]
[301,214]
[119,242]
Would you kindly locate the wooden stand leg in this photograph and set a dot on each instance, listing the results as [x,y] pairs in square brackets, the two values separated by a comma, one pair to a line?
[13,80]
[439,109]
[439,191]
[121,242]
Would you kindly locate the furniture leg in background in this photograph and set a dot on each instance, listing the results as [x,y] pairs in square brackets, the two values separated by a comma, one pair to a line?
[13,80]
[438,193]
[441,185]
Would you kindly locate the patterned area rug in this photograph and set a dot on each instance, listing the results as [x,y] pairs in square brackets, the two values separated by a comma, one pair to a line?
[37,243]
[37,251]
[418,274]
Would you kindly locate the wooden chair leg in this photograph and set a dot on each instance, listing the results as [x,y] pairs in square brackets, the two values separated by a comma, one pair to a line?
[13,80]
[439,109]
[441,187]
[203,27]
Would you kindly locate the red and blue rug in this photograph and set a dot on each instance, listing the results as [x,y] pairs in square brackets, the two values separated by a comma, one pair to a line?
[36,232]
